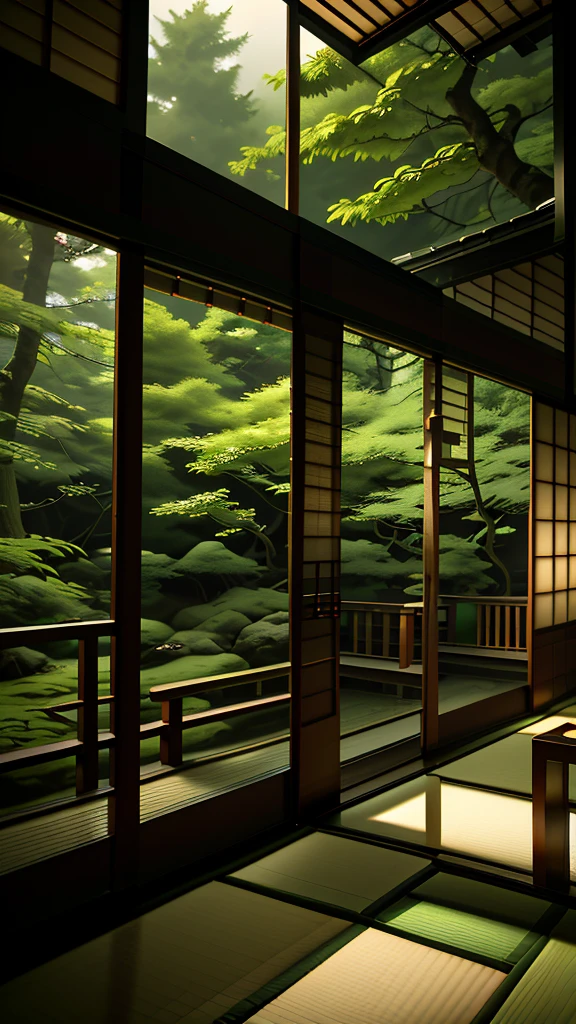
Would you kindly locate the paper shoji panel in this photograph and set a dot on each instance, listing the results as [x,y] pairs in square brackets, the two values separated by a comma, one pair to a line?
[80,40]
[315,556]
[553,639]
[528,297]
[554,545]
[455,403]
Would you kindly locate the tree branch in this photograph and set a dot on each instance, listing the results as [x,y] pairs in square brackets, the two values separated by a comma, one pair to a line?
[495,149]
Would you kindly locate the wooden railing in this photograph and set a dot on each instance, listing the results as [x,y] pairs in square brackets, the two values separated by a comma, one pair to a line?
[175,722]
[89,740]
[499,622]
[382,630]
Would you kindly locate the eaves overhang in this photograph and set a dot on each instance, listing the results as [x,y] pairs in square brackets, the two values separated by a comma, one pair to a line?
[358,29]
[502,245]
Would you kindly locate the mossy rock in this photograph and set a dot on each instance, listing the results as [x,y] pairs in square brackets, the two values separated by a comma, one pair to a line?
[16,662]
[212,558]
[253,603]
[226,623]
[263,643]
[191,667]
[84,572]
[28,600]
[153,632]
[277,618]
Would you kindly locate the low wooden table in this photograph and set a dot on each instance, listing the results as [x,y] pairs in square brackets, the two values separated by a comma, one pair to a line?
[552,754]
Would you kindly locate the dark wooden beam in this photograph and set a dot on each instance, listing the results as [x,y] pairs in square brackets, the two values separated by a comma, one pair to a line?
[124,804]
[292,108]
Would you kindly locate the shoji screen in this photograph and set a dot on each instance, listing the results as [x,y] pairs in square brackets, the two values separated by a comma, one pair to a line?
[80,40]
[315,558]
[554,551]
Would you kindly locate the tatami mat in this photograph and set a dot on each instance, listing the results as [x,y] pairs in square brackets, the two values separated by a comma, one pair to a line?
[505,765]
[384,979]
[547,992]
[467,932]
[469,915]
[488,826]
[187,961]
[340,871]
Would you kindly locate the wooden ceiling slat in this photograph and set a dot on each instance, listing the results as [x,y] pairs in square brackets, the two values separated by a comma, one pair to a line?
[469,26]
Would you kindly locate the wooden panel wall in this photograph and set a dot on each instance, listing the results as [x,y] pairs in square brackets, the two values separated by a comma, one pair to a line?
[315,560]
[77,40]
[528,297]
[552,601]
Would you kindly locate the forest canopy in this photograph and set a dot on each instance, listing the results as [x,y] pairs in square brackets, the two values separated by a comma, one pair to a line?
[399,140]
[415,140]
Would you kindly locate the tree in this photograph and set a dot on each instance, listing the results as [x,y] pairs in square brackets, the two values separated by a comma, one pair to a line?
[194,105]
[464,146]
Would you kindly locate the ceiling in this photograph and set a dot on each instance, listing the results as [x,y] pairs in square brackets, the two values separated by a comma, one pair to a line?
[360,28]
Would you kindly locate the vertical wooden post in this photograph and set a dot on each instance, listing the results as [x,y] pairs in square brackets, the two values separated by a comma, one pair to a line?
[550,818]
[432,454]
[433,791]
[564,168]
[530,615]
[406,639]
[292,108]
[87,760]
[315,563]
[124,804]
[134,64]
[171,738]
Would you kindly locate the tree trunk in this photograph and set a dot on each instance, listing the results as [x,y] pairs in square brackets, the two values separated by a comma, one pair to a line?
[495,149]
[17,373]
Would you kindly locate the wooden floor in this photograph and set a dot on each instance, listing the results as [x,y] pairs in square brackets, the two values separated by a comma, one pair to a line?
[38,838]
[49,834]
[63,829]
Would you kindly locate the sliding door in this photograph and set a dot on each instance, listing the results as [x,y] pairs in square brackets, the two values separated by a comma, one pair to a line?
[382,515]
[477,442]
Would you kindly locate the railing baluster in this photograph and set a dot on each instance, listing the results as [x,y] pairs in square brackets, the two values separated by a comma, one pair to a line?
[369,633]
[87,759]
[487,624]
[478,625]
[386,624]
[507,618]
[497,627]
[406,640]
[517,610]
[451,624]
[355,632]
[171,738]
